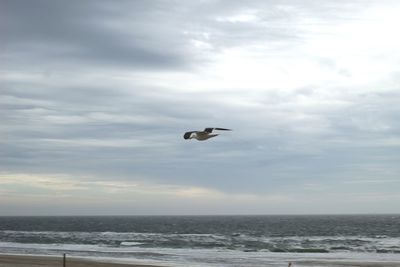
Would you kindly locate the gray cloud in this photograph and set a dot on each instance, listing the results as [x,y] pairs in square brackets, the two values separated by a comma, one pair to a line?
[146,35]
[104,91]
[89,33]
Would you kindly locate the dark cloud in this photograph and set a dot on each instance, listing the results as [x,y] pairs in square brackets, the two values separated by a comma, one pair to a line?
[58,33]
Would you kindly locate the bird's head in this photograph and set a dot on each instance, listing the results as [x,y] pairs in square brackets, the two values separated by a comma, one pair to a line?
[188,135]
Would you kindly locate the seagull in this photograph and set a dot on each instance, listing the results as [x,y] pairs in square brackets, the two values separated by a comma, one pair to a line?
[203,135]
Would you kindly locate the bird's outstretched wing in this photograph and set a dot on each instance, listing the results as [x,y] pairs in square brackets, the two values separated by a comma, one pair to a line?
[209,130]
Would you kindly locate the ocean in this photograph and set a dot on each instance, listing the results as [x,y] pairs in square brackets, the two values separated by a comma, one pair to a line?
[207,240]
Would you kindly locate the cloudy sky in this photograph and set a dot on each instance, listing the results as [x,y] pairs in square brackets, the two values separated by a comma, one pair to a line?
[95,97]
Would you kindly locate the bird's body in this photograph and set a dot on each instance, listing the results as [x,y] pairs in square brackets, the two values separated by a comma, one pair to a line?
[203,135]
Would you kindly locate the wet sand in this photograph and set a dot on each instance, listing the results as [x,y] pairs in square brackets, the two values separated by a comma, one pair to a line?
[333,263]
[51,261]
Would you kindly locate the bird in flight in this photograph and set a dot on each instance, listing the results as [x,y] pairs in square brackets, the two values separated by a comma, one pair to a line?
[203,135]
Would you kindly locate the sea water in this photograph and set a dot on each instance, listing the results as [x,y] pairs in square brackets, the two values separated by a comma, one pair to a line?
[207,240]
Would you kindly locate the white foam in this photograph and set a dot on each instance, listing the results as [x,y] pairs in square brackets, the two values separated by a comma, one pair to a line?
[198,257]
[130,243]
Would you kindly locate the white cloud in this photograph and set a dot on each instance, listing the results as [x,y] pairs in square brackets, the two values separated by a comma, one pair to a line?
[68,189]
[244,17]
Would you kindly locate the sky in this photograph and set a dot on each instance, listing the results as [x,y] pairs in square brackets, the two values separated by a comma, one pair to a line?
[95,97]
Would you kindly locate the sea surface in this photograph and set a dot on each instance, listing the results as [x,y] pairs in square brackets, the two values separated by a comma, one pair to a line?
[207,240]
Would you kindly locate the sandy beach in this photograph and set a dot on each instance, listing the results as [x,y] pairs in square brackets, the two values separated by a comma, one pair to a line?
[51,261]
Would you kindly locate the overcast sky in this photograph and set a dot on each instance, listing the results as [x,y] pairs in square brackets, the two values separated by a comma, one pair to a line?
[95,97]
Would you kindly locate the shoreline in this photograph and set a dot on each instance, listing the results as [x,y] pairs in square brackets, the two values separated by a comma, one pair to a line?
[346,263]
[14,260]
